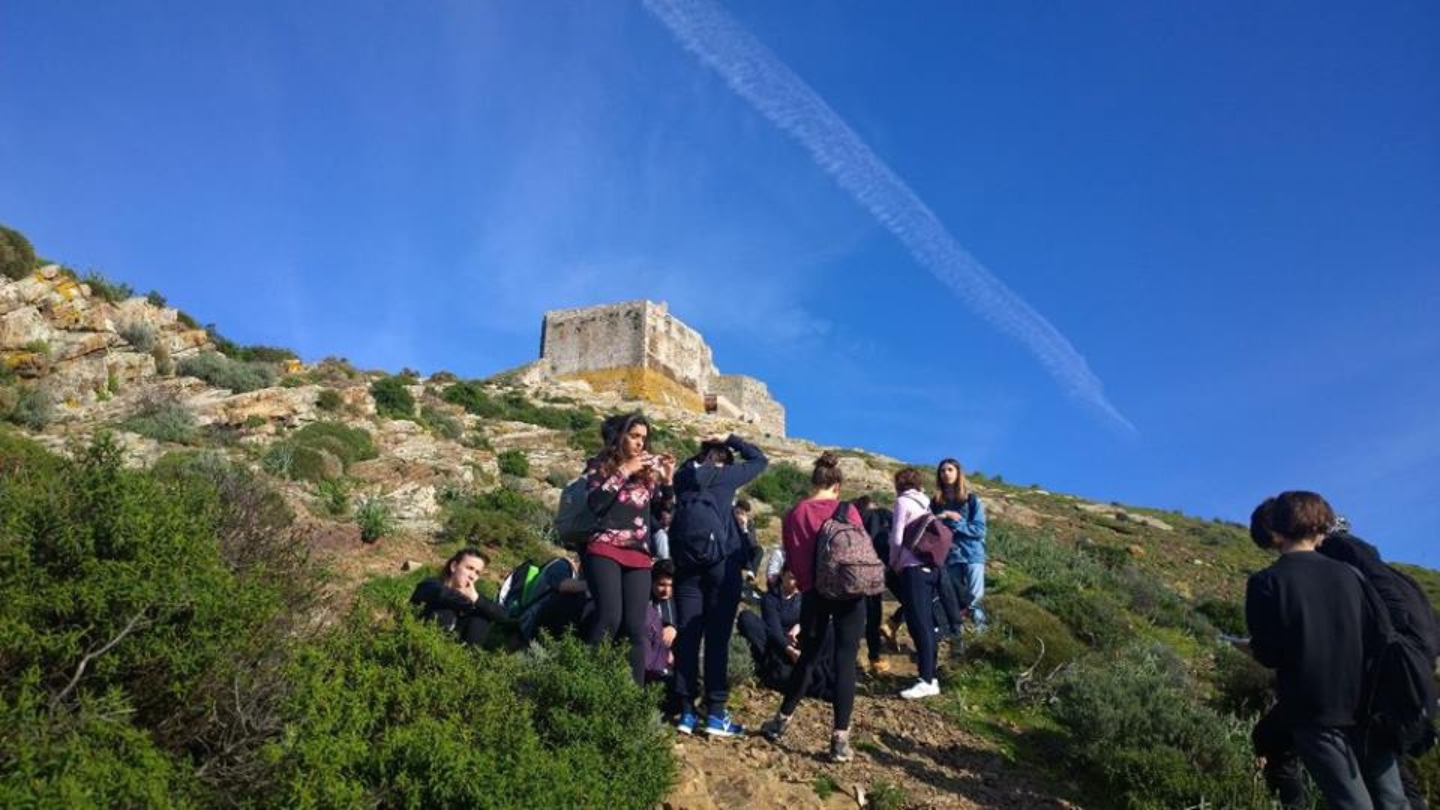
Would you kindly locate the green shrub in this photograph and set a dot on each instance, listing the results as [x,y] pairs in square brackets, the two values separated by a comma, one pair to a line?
[1094,616]
[780,485]
[501,517]
[139,334]
[1228,617]
[1022,635]
[441,423]
[33,407]
[1427,772]
[329,400]
[1242,686]
[145,577]
[401,715]
[514,462]
[1136,726]
[824,786]
[17,255]
[349,444]
[514,407]
[163,421]
[101,287]
[224,372]
[334,496]
[392,398]
[374,518]
[740,665]
[887,795]
[155,299]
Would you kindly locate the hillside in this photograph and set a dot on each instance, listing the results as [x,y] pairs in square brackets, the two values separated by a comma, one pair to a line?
[1102,612]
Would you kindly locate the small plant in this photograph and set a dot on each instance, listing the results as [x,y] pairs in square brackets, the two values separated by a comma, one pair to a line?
[514,462]
[375,520]
[253,421]
[558,479]
[155,299]
[163,421]
[329,400]
[334,496]
[887,795]
[102,287]
[825,786]
[17,255]
[223,372]
[139,334]
[441,423]
[33,408]
[780,486]
[164,363]
[392,397]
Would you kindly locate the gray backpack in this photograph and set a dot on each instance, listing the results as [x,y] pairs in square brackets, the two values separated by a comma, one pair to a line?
[575,524]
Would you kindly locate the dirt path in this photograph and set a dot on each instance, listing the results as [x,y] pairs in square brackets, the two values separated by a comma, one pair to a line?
[906,744]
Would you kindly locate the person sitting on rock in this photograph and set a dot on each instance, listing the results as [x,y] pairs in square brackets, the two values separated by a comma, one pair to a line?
[660,622]
[452,601]
[773,637]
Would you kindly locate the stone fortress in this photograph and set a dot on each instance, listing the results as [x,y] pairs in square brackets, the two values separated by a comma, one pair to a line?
[639,350]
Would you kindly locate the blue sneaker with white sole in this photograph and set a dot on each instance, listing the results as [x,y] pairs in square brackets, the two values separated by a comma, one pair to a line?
[686,723]
[720,725]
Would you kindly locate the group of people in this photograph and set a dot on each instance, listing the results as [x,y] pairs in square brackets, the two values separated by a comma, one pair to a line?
[670,557]
[666,560]
[1353,643]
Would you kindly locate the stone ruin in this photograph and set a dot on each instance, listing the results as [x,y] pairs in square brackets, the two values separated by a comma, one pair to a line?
[639,350]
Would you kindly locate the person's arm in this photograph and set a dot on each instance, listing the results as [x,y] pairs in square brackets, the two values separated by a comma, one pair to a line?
[1265,633]
[752,462]
[971,526]
[897,529]
[604,490]
[434,595]
[774,630]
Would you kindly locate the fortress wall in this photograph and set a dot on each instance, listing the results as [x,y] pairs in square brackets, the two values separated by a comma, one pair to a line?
[594,338]
[643,384]
[752,398]
[676,350]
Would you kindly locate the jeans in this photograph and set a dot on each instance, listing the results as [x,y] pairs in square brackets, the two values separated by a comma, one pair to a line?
[1348,783]
[705,603]
[969,579]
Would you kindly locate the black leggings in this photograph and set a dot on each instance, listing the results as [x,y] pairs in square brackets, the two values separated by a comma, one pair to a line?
[621,596]
[816,614]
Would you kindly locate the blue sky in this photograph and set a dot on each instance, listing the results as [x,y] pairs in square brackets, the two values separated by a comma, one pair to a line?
[1231,212]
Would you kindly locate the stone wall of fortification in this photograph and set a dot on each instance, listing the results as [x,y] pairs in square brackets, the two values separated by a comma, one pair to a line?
[676,350]
[752,398]
[594,338]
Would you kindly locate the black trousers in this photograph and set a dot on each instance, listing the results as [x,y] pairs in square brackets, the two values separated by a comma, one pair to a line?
[705,603]
[620,596]
[846,620]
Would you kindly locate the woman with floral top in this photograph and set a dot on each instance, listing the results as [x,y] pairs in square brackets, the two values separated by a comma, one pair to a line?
[628,486]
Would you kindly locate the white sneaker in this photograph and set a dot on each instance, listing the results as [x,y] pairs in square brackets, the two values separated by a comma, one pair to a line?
[922,689]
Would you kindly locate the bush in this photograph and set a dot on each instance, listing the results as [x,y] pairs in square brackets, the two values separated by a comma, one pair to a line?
[33,407]
[514,407]
[1242,686]
[164,363]
[223,372]
[514,462]
[17,255]
[349,444]
[334,496]
[781,485]
[501,517]
[139,334]
[375,520]
[319,452]
[441,423]
[740,665]
[140,656]
[329,400]
[163,421]
[1094,616]
[392,398]
[1228,617]
[401,715]
[1136,726]
[1023,635]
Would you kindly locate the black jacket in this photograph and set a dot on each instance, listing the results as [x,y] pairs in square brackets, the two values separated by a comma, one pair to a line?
[780,614]
[434,597]
[1411,613]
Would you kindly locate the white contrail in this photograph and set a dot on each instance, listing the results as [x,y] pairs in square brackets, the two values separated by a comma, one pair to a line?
[760,78]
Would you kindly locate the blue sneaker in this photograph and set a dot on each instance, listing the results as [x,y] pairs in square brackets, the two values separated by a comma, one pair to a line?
[720,725]
[686,723]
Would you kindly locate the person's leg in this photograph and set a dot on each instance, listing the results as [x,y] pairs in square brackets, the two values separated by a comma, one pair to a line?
[635,596]
[1381,772]
[949,620]
[849,625]
[972,591]
[689,604]
[474,630]
[1411,783]
[814,618]
[752,629]
[874,608]
[602,577]
[1272,742]
[1331,762]
[721,585]
[918,585]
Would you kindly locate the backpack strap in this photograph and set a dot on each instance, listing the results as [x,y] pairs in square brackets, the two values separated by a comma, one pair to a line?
[842,512]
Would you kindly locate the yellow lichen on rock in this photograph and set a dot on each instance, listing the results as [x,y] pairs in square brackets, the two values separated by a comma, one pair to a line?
[643,384]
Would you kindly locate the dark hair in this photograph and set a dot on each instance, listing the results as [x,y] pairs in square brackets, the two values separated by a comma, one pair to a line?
[714,453]
[468,551]
[662,569]
[827,471]
[862,503]
[907,479]
[1260,532]
[1300,515]
[613,431]
[743,505]
[953,493]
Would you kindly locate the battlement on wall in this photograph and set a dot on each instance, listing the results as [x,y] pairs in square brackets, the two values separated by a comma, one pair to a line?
[638,349]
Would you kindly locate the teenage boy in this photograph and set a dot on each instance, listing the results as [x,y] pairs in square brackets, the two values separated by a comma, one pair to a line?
[1310,622]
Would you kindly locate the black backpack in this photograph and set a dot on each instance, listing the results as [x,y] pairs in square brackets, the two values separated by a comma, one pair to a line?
[699,527]
[1398,709]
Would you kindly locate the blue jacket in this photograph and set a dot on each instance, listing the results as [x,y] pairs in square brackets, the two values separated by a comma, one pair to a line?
[969,530]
